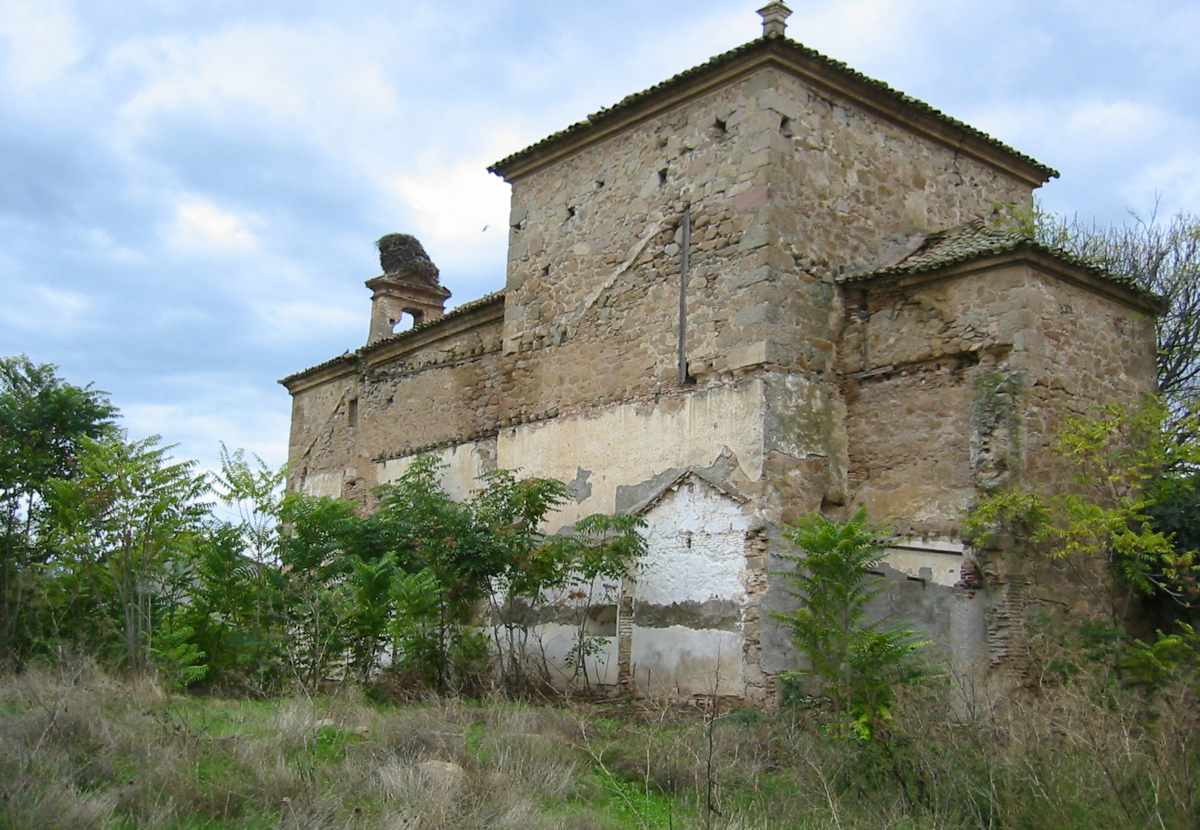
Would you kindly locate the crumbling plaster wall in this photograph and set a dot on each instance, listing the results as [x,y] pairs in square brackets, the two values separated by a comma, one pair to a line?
[617,456]
[464,466]
[690,594]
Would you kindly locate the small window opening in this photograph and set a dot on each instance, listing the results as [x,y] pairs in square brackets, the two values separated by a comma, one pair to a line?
[352,412]
[720,126]
[662,177]
[407,321]
[785,127]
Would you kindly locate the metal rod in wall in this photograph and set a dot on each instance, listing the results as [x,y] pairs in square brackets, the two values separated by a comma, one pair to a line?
[684,257]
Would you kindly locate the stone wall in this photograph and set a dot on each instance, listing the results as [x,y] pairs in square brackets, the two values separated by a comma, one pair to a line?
[592,306]
[800,395]
[848,191]
[955,386]
[425,389]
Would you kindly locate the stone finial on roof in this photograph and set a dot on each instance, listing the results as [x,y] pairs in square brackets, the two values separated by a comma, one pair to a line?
[774,19]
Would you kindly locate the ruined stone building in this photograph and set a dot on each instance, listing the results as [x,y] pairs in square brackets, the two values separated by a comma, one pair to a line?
[766,286]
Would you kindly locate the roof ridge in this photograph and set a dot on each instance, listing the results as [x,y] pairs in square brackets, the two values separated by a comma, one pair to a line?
[766,42]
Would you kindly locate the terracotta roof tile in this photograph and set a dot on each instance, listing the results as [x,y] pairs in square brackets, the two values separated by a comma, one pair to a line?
[976,240]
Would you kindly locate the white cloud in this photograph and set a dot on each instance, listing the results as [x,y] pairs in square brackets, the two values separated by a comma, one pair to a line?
[326,83]
[859,31]
[459,211]
[200,425]
[51,312]
[40,40]
[101,243]
[292,321]
[1082,132]
[1116,124]
[1172,184]
[201,226]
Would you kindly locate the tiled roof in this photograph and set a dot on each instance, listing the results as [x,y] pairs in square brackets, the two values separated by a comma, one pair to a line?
[351,357]
[978,239]
[785,45]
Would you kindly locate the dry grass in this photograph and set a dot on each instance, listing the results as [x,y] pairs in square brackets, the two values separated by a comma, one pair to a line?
[80,749]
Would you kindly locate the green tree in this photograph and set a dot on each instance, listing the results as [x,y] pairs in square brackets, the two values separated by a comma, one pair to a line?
[1123,465]
[255,491]
[316,551]
[454,559]
[527,564]
[600,553]
[235,612]
[430,533]
[856,663]
[129,512]
[43,422]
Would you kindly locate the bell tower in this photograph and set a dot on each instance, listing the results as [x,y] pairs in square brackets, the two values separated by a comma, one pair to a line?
[408,285]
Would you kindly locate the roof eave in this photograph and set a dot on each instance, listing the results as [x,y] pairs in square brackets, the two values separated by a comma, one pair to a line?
[1027,253]
[397,344]
[823,73]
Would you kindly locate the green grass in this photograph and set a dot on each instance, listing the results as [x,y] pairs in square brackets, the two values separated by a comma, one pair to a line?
[105,754]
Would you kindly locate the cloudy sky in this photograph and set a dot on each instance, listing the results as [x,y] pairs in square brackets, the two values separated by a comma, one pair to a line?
[189,191]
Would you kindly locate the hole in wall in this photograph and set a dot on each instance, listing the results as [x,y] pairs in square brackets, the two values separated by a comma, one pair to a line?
[405,322]
[785,126]
[720,126]
[688,378]
[662,177]
[599,183]
[570,212]
[546,270]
